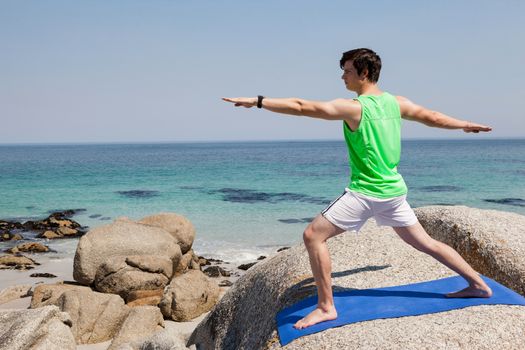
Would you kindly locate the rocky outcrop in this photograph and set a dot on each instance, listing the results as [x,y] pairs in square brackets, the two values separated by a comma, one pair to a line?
[189,296]
[178,226]
[245,317]
[56,225]
[141,322]
[126,261]
[8,229]
[14,292]
[39,329]
[491,241]
[117,242]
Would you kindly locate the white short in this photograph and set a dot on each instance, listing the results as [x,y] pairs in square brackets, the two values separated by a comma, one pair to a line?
[352,209]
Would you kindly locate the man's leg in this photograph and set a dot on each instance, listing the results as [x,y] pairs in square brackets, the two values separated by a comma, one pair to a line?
[416,236]
[315,237]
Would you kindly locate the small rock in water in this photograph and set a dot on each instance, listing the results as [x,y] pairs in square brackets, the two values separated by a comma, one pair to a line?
[94,216]
[29,247]
[49,235]
[66,231]
[203,261]
[225,283]
[281,249]
[262,257]
[8,236]
[105,218]
[18,262]
[44,274]
[246,266]
[216,271]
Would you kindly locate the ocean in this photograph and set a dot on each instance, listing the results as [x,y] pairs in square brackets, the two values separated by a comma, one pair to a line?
[245,198]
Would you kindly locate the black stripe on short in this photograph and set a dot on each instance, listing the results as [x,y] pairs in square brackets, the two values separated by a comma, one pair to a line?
[331,204]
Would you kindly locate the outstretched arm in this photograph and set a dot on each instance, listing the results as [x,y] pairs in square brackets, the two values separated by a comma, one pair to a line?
[340,109]
[412,111]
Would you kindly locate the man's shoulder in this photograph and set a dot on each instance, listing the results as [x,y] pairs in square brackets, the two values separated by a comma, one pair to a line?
[401,99]
[348,105]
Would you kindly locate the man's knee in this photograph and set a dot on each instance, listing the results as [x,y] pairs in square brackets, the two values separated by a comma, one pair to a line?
[309,235]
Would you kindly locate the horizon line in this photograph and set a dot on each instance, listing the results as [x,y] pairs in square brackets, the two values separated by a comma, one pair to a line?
[80,143]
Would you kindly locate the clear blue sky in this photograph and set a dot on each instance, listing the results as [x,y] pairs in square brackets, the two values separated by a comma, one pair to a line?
[140,71]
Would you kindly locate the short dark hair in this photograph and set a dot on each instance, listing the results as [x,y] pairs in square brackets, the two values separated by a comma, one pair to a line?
[363,58]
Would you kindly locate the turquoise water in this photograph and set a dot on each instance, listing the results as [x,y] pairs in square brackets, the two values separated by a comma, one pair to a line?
[244,198]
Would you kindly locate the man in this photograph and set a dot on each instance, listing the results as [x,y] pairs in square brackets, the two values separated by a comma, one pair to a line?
[371,125]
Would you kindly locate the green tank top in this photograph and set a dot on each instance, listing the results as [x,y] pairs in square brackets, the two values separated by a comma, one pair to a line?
[374,148]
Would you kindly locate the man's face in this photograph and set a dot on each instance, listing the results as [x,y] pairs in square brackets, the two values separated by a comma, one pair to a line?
[350,76]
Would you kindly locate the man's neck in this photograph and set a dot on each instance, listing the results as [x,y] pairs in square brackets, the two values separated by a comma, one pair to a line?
[369,89]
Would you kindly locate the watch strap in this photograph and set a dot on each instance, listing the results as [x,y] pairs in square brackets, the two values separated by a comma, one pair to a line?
[259,101]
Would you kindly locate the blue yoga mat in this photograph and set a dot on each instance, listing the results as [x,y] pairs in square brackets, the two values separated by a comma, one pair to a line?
[408,300]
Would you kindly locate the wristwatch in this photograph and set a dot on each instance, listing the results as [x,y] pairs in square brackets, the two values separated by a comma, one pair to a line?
[259,101]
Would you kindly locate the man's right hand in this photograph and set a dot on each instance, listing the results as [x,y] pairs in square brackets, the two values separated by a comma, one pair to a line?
[247,102]
[475,128]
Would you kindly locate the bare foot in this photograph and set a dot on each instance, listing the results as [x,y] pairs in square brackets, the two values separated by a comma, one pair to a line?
[316,316]
[472,292]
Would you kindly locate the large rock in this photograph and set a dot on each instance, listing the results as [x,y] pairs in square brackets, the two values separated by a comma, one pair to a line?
[178,226]
[188,296]
[39,329]
[491,241]
[48,294]
[123,238]
[96,317]
[245,316]
[142,321]
[122,275]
